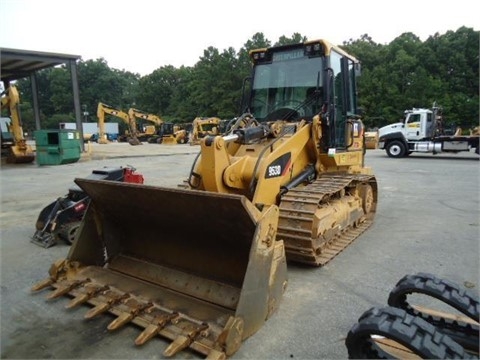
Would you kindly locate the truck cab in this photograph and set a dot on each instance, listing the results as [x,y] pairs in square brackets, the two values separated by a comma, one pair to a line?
[419,124]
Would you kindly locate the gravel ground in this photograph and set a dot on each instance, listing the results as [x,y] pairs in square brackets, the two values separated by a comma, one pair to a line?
[427,220]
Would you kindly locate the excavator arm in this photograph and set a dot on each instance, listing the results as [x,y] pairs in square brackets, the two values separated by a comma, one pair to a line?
[20,152]
[103,109]
[136,113]
[168,132]
[151,132]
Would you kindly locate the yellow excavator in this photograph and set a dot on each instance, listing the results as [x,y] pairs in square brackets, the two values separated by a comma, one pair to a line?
[203,126]
[287,183]
[162,132]
[150,131]
[19,151]
[103,109]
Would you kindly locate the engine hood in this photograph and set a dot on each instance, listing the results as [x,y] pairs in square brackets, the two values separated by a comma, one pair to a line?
[396,127]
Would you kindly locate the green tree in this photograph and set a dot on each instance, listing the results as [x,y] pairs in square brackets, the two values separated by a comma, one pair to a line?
[215,86]
[294,39]
[397,76]
[409,73]
[157,90]
[181,108]
[99,83]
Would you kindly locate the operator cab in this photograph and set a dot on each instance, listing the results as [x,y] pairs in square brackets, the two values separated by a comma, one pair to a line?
[287,83]
[295,82]
[6,135]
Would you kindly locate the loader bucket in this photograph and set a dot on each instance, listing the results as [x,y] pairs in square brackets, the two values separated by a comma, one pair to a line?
[200,269]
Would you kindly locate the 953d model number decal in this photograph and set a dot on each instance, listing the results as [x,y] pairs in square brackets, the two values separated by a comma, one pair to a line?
[279,166]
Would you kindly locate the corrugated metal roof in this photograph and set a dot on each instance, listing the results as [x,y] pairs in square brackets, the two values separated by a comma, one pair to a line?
[17,64]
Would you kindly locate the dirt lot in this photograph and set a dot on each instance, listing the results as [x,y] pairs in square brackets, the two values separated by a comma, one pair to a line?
[427,220]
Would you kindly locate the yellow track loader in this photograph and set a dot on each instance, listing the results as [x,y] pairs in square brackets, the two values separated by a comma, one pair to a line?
[286,183]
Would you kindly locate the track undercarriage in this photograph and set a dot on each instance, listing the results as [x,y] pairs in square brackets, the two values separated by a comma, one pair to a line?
[320,220]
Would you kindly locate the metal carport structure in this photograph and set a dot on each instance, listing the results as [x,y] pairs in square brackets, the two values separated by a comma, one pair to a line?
[17,64]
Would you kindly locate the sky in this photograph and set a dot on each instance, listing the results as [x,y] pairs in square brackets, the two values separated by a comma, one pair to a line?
[143,35]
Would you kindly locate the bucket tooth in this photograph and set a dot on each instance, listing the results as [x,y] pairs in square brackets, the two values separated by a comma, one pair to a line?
[147,334]
[97,310]
[184,340]
[180,343]
[153,329]
[65,289]
[78,300]
[216,355]
[121,320]
[135,309]
[83,298]
[114,298]
[42,284]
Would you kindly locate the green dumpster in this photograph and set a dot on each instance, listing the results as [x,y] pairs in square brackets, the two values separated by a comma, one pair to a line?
[56,147]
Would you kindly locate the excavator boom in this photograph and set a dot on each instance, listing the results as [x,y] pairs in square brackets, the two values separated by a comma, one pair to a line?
[104,109]
[162,132]
[20,151]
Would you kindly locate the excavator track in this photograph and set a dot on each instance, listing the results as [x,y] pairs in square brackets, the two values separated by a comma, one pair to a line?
[309,223]
[464,330]
[392,333]
[403,330]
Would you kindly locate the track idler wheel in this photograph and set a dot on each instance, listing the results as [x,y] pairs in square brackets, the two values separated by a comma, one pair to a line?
[366,194]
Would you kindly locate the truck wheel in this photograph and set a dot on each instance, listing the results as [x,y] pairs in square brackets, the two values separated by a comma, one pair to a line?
[396,149]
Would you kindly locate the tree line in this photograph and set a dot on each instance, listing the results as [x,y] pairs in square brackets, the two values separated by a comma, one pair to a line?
[403,74]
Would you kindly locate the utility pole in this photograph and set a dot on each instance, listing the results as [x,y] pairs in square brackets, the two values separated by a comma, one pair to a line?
[85,113]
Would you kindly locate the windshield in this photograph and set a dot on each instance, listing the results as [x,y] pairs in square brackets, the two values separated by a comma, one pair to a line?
[5,124]
[286,86]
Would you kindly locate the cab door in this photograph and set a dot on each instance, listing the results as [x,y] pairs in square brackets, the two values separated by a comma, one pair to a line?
[413,126]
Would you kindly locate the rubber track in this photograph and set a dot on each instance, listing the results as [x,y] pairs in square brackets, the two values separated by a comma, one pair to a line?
[308,199]
[448,292]
[414,333]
